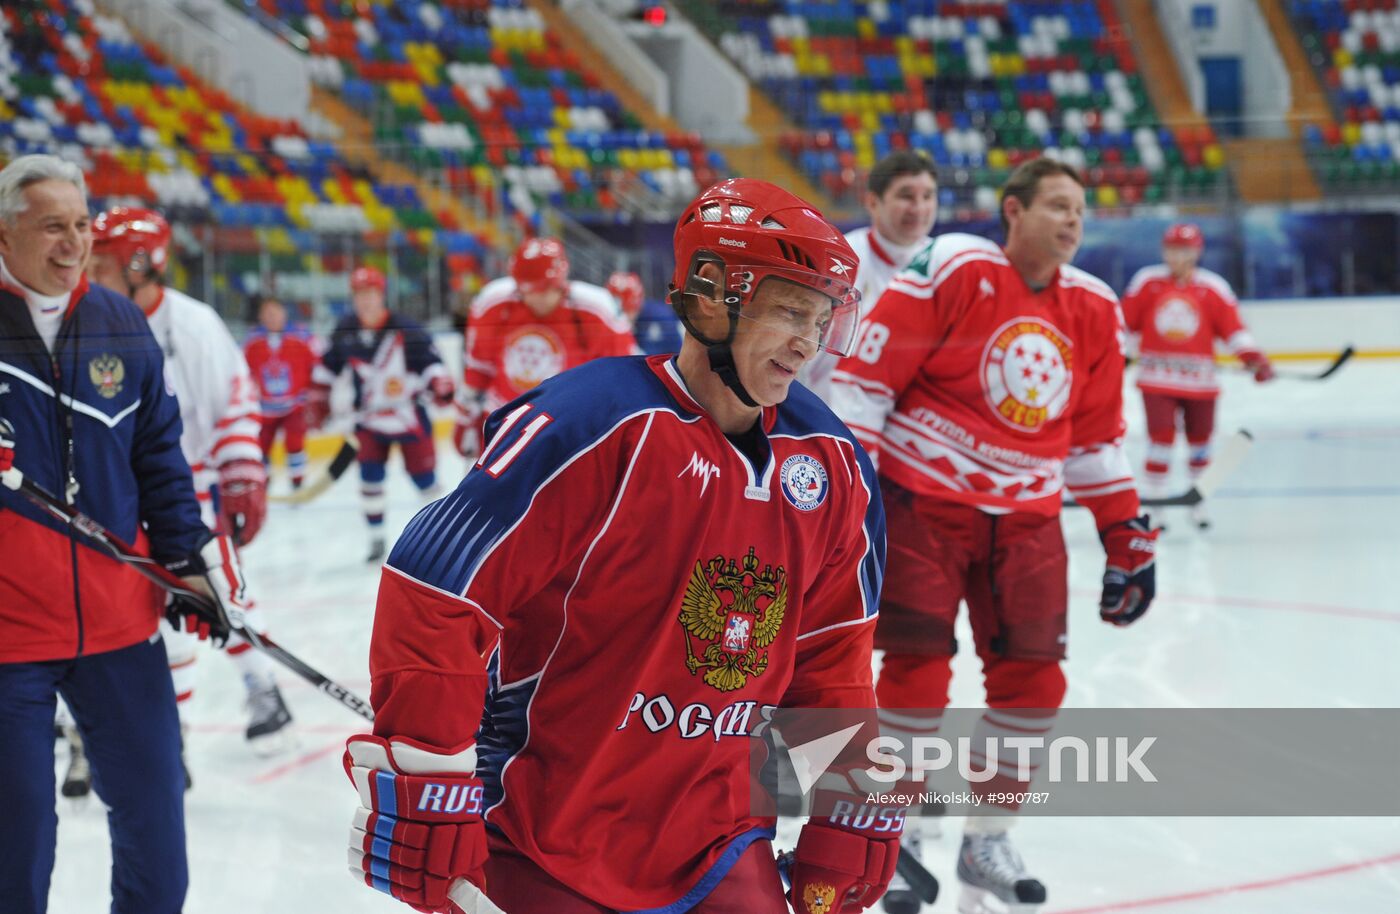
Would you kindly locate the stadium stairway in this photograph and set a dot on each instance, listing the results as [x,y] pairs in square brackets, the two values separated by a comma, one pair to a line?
[1278,170]
[1310,105]
[762,160]
[357,145]
[1268,170]
[1154,56]
[1264,170]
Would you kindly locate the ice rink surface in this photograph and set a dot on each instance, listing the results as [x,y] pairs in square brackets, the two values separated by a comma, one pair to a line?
[1289,601]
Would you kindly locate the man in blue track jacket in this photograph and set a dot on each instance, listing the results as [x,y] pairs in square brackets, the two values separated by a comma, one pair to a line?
[86,414]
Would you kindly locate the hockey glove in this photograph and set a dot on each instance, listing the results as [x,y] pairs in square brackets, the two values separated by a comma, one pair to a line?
[467,439]
[1257,362]
[215,572]
[419,826]
[1130,580]
[318,406]
[466,435]
[7,445]
[242,499]
[847,851]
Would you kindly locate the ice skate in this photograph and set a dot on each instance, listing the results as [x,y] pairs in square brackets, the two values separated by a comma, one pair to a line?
[994,879]
[376,550]
[1200,516]
[269,724]
[77,783]
[900,898]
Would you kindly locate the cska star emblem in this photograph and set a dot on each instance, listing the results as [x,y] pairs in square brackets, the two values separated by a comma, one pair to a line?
[819,897]
[734,611]
[107,372]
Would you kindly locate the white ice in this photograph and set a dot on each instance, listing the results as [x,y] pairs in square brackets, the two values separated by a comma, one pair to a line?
[1289,601]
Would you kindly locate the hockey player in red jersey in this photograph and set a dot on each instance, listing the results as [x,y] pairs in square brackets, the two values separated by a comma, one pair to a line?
[649,555]
[219,412]
[987,381]
[395,370]
[281,359]
[627,288]
[529,328]
[1179,309]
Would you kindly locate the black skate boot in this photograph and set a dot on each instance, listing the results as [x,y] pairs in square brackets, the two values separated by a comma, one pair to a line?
[77,783]
[269,720]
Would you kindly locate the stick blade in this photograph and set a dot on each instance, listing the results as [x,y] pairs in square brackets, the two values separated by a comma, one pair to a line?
[1227,459]
[1342,358]
[924,883]
[471,899]
[349,450]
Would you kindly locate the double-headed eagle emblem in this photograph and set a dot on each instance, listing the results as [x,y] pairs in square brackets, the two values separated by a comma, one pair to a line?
[721,610]
[107,372]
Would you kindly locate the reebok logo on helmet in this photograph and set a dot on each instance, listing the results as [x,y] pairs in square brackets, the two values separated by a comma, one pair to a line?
[729,242]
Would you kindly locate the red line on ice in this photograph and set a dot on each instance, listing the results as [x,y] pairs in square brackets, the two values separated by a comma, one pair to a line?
[1321,609]
[300,762]
[1258,885]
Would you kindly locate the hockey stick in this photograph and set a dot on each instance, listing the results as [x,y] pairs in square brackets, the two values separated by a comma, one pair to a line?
[153,571]
[471,899]
[1333,367]
[1227,459]
[1342,358]
[349,449]
[1229,456]
[924,883]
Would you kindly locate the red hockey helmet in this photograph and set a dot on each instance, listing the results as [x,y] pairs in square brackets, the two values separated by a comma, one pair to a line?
[540,264]
[627,289]
[367,278]
[1185,235]
[139,238]
[755,231]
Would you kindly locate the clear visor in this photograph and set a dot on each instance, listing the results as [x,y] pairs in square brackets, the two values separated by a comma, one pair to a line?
[784,299]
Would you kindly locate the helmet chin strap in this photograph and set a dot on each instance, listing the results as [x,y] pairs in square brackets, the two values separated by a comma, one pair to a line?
[720,353]
[722,364]
[150,279]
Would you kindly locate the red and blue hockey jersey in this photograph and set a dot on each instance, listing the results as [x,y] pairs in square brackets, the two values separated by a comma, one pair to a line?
[391,367]
[628,596]
[281,365]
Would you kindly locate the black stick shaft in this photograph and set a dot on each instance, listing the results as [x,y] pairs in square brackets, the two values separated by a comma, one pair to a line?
[148,568]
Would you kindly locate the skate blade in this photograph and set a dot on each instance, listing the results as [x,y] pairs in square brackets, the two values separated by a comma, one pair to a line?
[972,900]
[273,744]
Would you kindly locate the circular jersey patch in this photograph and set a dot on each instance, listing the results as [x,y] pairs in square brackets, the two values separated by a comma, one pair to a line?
[1026,373]
[804,482]
[1176,319]
[532,356]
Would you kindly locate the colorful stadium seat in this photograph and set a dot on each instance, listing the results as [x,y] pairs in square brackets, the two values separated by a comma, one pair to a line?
[980,87]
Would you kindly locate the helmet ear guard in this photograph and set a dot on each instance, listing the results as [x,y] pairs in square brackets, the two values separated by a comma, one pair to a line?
[697,285]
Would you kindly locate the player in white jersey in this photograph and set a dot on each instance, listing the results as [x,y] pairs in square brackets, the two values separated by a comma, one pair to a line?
[219,414]
[902,199]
